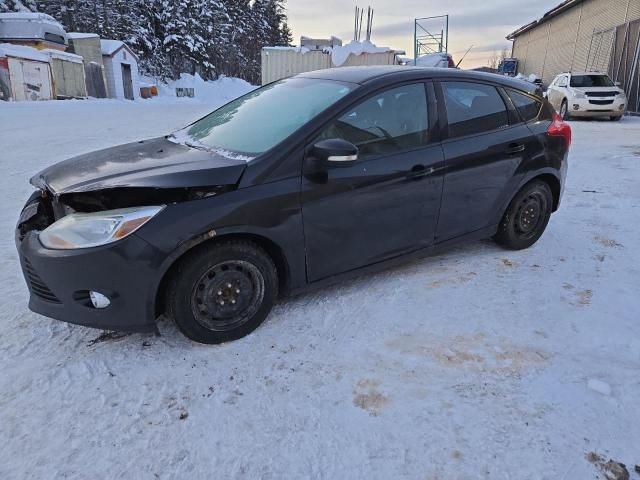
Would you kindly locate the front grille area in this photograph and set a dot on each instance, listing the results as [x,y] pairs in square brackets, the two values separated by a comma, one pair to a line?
[37,286]
[37,220]
[601,102]
[601,94]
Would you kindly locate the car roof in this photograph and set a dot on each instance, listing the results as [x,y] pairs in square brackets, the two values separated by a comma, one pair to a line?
[365,74]
[589,73]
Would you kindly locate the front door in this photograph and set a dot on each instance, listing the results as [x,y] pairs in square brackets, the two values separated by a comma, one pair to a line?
[387,202]
[127,82]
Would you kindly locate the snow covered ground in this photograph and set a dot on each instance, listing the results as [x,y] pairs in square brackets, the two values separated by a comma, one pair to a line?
[477,363]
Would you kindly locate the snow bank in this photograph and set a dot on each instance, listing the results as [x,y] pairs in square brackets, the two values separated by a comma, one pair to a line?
[213,92]
[339,54]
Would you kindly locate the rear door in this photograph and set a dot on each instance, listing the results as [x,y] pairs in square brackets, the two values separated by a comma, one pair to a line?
[485,146]
[387,202]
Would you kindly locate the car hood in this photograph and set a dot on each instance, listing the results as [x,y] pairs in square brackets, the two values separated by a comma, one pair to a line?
[599,89]
[156,163]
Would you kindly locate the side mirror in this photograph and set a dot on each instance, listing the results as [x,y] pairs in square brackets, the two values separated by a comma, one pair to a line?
[335,152]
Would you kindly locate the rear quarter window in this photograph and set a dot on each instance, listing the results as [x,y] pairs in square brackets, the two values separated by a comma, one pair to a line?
[528,107]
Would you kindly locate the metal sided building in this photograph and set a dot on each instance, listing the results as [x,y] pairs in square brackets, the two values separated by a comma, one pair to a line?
[584,35]
[318,54]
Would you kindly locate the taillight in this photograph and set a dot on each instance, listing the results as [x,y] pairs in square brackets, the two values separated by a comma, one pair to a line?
[560,128]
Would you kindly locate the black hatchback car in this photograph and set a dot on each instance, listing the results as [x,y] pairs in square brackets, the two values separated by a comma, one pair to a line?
[299,183]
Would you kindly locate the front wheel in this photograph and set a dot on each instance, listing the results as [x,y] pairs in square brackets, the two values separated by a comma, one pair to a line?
[617,118]
[526,217]
[564,110]
[222,292]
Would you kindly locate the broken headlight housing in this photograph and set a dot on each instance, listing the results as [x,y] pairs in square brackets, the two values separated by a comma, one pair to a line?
[83,230]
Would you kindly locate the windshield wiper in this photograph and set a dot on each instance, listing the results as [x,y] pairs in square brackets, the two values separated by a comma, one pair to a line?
[197,146]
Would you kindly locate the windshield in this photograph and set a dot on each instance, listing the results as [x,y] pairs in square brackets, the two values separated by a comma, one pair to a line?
[582,81]
[252,124]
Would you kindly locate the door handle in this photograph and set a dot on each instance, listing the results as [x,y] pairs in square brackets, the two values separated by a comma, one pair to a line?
[420,171]
[514,148]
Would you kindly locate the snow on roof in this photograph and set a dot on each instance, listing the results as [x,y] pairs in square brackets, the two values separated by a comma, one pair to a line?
[289,49]
[40,17]
[109,47]
[440,60]
[82,35]
[66,56]
[339,54]
[27,25]
[21,51]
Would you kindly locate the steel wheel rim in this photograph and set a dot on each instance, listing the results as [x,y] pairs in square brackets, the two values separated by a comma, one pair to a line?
[530,215]
[227,295]
[563,110]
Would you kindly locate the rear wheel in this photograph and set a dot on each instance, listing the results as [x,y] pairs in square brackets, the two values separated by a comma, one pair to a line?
[564,110]
[222,292]
[526,217]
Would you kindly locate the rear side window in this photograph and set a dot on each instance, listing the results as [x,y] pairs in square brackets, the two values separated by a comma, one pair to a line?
[388,122]
[527,107]
[473,108]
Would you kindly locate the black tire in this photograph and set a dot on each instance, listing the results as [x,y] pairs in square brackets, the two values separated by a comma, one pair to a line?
[564,110]
[222,292]
[526,217]
[617,118]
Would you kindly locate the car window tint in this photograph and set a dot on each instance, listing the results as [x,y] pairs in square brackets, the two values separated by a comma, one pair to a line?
[392,121]
[527,107]
[562,82]
[473,108]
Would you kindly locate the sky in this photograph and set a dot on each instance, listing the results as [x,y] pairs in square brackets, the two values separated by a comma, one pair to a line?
[483,24]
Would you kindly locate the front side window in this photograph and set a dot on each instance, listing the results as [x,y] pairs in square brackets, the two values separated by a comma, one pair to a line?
[584,81]
[258,121]
[562,81]
[473,108]
[392,121]
[527,107]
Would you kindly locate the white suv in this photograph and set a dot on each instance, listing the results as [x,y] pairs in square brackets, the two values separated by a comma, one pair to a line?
[589,94]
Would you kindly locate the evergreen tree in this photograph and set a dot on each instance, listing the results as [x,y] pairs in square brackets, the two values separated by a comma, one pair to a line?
[208,37]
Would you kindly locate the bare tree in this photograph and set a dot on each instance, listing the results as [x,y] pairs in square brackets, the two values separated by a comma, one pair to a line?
[496,58]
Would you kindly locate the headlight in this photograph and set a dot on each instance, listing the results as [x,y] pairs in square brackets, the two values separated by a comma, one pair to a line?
[83,230]
[579,94]
[621,95]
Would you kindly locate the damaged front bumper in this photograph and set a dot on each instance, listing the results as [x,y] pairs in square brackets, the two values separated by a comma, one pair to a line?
[59,281]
